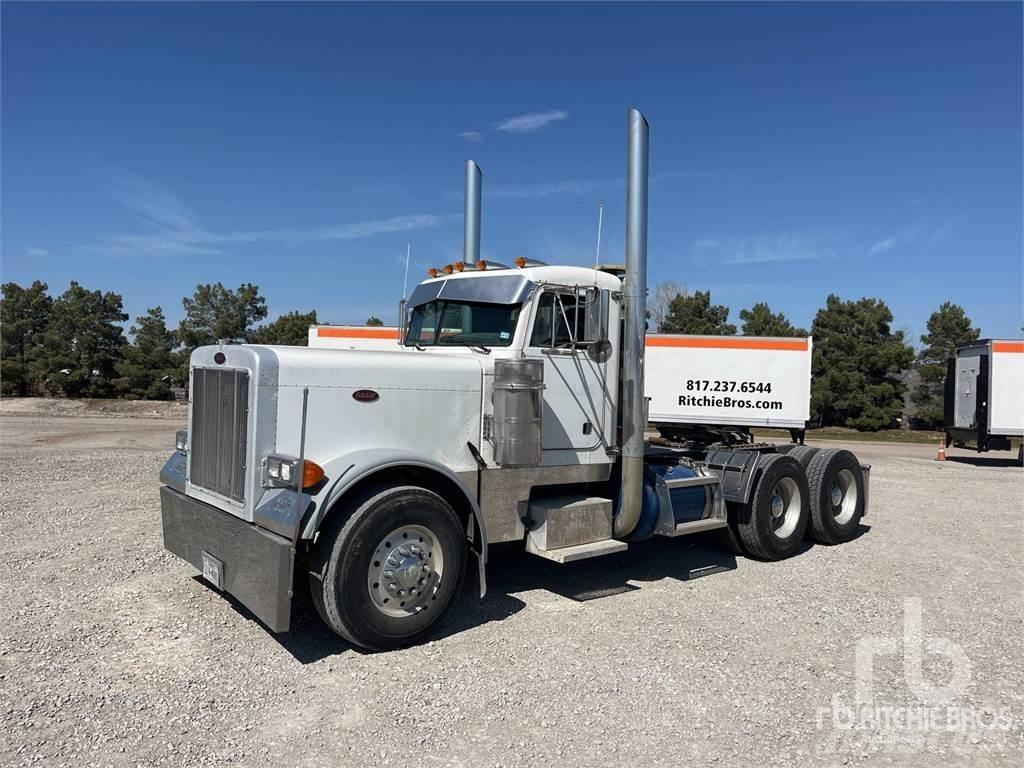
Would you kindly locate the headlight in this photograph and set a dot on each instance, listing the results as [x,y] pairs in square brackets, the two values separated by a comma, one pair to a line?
[181,440]
[283,472]
[281,469]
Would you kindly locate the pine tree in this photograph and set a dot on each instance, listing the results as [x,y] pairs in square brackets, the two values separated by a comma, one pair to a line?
[948,327]
[291,329]
[759,320]
[695,314]
[83,342]
[215,312]
[855,366]
[24,315]
[373,320]
[149,365]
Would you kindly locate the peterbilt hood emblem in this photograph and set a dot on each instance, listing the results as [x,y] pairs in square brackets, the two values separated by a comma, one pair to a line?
[365,396]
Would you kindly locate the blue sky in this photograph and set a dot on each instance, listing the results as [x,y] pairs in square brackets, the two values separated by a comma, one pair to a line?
[797,150]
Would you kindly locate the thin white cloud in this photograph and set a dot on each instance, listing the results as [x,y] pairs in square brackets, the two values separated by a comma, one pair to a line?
[919,236]
[881,246]
[530,123]
[36,253]
[473,136]
[761,249]
[568,187]
[177,230]
[577,187]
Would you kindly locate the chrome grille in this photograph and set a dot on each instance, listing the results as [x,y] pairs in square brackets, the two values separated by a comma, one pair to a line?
[220,418]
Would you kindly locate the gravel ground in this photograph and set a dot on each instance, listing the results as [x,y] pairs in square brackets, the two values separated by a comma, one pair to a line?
[113,653]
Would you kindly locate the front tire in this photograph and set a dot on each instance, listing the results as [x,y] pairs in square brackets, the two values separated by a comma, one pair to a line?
[772,525]
[391,572]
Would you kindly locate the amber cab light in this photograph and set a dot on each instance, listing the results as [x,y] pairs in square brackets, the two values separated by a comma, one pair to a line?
[432,272]
[312,473]
[520,261]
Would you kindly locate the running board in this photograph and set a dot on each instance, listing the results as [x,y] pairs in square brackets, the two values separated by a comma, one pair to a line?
[577,552]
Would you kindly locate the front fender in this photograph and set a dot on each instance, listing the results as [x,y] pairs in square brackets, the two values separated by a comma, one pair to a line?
[345,471]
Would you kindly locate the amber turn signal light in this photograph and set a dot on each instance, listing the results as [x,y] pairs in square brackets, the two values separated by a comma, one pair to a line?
[312,473]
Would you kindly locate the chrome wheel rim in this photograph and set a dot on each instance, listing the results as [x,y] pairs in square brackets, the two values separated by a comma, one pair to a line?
[844,496]
[785,507]
[405,571]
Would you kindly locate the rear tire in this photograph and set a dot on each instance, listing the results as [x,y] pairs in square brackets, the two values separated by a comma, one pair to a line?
[388,574]
[803,454]
[729,535]
[836,483]
[772,525]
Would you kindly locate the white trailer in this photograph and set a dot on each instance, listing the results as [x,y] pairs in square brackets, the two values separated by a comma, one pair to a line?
[727,383]
[510,408]
[984,398]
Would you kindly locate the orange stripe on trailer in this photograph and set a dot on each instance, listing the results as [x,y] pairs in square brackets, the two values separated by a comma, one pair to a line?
[357,333]
[1008,346]
[727,342]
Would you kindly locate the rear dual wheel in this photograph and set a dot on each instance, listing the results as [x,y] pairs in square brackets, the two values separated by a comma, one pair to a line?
[772,524]
[836,484]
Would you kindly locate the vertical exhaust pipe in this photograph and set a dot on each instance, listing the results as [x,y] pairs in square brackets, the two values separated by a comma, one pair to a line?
[634,297]
[471,237]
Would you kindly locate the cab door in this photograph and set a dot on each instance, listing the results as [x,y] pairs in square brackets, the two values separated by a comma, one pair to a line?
[576,399]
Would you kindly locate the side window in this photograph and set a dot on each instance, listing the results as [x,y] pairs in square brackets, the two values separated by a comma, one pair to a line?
[425,322]
[556,324]
[542,325]
[567,329]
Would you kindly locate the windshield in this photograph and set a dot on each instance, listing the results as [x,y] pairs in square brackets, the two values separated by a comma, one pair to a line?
[462,323]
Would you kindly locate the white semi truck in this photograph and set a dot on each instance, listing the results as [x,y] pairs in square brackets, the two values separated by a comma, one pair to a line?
[514,410]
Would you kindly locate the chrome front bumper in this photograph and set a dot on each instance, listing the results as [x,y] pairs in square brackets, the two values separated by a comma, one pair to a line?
[253,565]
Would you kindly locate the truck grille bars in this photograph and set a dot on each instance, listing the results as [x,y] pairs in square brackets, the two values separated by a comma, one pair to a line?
[220,419]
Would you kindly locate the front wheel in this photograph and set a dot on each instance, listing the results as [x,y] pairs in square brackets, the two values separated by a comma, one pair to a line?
[393,569]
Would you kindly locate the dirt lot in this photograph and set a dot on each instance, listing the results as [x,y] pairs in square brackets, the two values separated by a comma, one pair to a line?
[113,653]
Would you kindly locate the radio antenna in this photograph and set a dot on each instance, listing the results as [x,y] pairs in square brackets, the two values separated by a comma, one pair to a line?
[600,219]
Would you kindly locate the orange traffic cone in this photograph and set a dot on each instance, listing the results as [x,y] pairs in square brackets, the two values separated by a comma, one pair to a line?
[942,450]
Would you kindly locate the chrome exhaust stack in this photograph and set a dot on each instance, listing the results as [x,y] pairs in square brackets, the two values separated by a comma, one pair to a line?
[634,299]
[471,237]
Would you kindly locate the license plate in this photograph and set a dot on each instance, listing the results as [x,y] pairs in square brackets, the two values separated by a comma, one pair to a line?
[213,570]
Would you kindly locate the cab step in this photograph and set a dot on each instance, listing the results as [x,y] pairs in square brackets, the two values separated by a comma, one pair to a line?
[579,551]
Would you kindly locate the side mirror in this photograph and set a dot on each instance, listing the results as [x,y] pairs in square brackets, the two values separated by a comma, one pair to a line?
[595,325]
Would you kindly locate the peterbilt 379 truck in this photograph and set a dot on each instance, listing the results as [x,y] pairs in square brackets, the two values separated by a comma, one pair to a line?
[511,409]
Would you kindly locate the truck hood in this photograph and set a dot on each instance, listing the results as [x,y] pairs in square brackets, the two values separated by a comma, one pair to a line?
[247,402]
